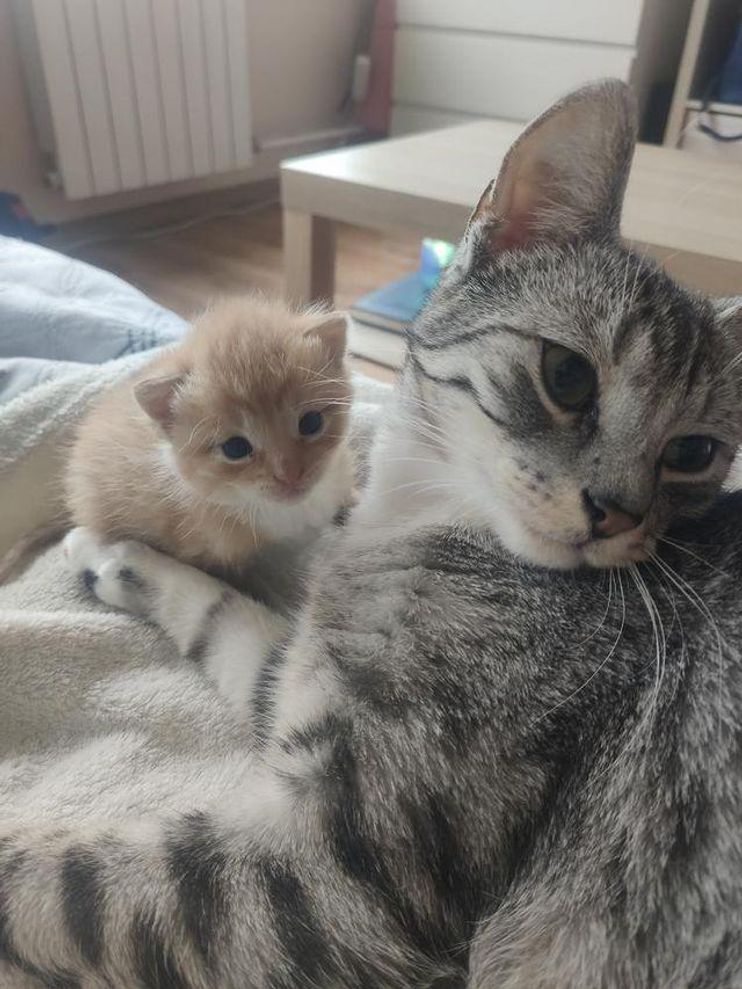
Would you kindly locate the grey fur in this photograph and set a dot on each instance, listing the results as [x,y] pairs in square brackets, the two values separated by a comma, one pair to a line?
[459,748]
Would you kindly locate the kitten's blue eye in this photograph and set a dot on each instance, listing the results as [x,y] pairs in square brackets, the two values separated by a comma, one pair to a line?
[568,378]
[689,454]
[311,423]
[236,448]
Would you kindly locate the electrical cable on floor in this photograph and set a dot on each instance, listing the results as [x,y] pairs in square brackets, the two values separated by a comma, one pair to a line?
[161,231]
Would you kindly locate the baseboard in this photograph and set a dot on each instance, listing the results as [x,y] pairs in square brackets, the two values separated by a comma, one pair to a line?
[163,213]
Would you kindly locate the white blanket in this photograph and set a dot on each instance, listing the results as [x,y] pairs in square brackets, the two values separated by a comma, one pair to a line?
[98,716]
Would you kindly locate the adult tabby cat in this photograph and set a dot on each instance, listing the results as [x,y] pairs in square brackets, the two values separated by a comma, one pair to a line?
[458,742]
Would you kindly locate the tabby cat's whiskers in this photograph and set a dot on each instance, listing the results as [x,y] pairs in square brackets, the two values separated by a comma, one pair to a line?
[607,658]
[658,636]
[694,598]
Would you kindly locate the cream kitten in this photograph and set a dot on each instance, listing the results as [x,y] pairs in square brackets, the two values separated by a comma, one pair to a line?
[235,438]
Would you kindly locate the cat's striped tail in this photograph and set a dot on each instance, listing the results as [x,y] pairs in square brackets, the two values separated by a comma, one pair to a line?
[196,904]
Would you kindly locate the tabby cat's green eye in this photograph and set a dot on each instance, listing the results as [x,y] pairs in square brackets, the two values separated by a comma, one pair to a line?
[568,378]
[689,454]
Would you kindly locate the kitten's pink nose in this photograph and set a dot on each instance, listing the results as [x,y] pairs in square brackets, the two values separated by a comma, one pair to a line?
[288,473]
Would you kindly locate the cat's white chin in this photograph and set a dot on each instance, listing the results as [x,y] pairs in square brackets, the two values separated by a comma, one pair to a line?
[619,551]
[547,551]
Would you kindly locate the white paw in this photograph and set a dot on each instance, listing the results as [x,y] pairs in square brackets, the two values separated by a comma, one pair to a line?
[82,549]
[120,574]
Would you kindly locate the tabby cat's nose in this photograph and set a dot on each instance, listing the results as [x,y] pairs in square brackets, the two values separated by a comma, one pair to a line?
[607,518]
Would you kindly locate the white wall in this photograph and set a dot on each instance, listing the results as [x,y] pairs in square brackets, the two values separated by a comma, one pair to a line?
[300,57]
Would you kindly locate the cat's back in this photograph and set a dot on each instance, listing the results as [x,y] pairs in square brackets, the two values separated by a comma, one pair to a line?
[614,699]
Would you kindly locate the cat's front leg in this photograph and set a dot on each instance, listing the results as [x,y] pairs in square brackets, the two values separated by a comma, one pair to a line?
[225,633]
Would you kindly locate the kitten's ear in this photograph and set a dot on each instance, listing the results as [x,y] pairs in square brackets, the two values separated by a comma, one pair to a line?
[564,178]
[332,330]
[156,396]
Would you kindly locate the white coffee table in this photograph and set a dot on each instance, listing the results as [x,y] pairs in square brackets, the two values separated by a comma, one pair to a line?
[686,210]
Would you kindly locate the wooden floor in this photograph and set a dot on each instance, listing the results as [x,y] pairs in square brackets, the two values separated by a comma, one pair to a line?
[184,269]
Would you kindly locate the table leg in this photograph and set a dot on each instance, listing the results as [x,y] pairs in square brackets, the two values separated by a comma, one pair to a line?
[309,257]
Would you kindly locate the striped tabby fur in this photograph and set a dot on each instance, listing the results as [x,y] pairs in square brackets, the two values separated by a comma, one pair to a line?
[464,768]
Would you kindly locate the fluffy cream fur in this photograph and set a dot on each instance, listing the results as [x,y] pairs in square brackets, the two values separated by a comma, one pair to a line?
[147,462]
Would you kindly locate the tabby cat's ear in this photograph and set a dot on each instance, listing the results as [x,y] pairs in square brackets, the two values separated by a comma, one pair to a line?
[564,178]
[729,320]
[157,395]
[332,330]
[729,311]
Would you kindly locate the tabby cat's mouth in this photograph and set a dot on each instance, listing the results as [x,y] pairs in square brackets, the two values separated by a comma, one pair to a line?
[580,544]
[577,545]
[619,550]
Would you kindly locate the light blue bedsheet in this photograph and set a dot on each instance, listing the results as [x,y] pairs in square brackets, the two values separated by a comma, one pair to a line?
[56,314]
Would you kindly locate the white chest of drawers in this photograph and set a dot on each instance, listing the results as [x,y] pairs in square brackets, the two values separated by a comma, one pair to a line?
[509,59]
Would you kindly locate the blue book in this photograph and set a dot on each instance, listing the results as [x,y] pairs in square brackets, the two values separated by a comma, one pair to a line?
[394,306]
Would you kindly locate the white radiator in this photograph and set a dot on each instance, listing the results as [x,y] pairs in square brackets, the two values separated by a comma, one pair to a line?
[139,92]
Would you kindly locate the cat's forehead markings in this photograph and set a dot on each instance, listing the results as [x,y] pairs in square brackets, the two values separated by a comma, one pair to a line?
[632,339]
[622,335]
